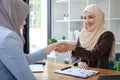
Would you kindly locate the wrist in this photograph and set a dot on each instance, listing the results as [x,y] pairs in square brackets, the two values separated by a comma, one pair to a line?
[48,49]
[72,47]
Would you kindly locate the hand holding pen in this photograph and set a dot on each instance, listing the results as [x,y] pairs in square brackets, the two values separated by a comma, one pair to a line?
[68,67]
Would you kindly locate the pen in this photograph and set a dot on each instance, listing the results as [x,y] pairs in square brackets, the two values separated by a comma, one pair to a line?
[76,61]
[66,68]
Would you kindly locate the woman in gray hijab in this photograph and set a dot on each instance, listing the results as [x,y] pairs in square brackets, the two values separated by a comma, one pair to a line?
[13,61]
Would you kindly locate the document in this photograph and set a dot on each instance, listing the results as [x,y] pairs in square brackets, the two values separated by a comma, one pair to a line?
[82,73]
[36,68]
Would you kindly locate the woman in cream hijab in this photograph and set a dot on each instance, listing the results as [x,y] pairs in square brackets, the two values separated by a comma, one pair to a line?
[13,61]
[95,45]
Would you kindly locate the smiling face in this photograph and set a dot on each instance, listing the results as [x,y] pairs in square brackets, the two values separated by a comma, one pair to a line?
[89,20]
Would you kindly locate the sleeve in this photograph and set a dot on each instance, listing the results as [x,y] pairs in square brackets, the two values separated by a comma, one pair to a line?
[14,59]
[36,56]
[101,47]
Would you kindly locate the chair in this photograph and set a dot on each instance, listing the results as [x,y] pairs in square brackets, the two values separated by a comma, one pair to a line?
[111,64]
[117,56]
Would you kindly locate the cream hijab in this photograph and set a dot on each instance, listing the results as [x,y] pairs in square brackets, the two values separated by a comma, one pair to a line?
[89,37]
[12,15]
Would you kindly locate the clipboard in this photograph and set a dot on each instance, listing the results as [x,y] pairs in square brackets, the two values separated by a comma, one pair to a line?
[77,72]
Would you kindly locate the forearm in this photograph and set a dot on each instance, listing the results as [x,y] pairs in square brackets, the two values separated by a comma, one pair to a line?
[36,56]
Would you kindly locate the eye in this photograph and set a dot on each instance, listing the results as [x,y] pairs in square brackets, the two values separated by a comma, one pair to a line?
[84,17]
[91,17]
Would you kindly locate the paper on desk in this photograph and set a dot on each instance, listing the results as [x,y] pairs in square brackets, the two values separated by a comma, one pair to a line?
[78,72]
[36,68]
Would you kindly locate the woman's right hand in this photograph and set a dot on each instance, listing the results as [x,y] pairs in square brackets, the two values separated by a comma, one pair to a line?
[83,65]
[64,47]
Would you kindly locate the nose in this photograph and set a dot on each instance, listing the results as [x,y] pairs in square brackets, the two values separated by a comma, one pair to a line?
[24,23]
[86,20]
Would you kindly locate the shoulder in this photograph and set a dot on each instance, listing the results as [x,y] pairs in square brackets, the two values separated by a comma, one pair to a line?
[107,34]
[4,32]
[8,36]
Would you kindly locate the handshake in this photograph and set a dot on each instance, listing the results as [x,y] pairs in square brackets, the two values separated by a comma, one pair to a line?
[60,47]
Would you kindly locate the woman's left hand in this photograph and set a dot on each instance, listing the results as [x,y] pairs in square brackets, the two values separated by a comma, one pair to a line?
[83,65]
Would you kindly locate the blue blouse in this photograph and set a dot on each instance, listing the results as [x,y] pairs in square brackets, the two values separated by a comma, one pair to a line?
[14,64]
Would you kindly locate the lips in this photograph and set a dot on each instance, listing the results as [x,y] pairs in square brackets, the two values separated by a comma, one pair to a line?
[88,25]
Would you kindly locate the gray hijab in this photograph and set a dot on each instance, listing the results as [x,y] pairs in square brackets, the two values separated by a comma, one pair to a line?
[12,14]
